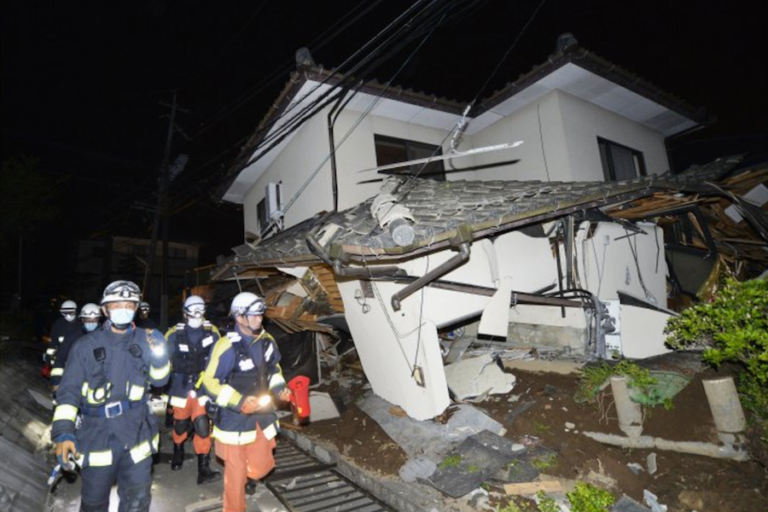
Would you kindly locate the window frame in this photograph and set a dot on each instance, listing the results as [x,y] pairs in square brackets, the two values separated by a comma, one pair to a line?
[410,145]
[607,163]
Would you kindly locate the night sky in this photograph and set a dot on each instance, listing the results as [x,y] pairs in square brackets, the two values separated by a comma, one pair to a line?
[83,85]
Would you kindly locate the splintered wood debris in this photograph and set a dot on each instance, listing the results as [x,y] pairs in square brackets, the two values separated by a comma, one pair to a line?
[735,238]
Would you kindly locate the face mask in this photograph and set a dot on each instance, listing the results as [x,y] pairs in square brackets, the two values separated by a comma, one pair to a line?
[194,323]
[120,318]
[90,326]
[70,317]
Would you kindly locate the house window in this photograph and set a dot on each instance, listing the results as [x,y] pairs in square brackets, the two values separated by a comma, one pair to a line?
[620,162]
[392,151]
[261,213]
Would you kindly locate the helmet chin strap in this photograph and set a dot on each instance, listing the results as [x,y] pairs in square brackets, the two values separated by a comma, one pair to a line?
[246,327]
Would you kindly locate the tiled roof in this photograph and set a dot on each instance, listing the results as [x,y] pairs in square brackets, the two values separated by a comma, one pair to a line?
[439,208]
[590,61]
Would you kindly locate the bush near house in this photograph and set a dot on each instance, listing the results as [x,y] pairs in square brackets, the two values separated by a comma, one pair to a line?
[733,327]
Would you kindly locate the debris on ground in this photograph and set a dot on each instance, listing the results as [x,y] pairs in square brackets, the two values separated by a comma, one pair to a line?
[532,420]
[477,376]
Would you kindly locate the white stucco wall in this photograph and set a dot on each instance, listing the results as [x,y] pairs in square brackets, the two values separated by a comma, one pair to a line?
[292,167]
[310,147]
[583,122]
[559,132]
[606,265]
[540,126]
[389,342]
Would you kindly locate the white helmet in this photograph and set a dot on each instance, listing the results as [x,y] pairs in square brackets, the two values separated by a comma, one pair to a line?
[68,306]
[194,306]
[121,291]
[247,303]
[144,306]
[90,311]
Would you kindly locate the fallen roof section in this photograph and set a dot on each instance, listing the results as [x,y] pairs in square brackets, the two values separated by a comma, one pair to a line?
[450,211]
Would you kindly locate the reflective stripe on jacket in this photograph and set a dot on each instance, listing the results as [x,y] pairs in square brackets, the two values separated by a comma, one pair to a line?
[221,384]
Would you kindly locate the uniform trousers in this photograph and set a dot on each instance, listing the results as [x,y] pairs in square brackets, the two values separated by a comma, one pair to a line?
[192,410]
[134,482]
[253,460]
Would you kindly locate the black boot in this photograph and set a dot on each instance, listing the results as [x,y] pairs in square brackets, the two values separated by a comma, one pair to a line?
[178,456]
[204,472]
[250,487]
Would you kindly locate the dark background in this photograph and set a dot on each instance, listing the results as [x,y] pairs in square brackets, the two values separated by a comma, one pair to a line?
[83,87]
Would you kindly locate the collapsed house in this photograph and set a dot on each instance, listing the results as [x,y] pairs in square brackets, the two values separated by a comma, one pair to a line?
[545,237]
[539,264]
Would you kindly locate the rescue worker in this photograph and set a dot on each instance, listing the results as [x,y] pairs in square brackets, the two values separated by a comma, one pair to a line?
[190,344]
[107,377]
[90,315]
[243,377]
[62,328]
[142,319]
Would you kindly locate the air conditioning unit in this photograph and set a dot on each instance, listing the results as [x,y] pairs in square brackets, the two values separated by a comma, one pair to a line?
[273,195]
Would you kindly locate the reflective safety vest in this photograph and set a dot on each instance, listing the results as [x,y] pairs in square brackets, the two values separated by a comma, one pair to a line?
[242,366]
[189,357]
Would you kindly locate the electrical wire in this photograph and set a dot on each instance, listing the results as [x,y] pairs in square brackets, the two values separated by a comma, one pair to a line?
[352,128]
[461,123]
[318,43]
[323,100]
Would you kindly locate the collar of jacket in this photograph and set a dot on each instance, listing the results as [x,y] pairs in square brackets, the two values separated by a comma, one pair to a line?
[246,337]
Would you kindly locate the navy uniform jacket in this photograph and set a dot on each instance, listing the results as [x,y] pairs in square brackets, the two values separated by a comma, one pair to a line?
[106,379]
[60,331]
[62,353]
[222,384]
[189,350]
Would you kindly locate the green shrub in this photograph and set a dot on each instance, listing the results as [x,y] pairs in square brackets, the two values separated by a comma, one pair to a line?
[588,498]
[593,377]
[546,503]
[733,327]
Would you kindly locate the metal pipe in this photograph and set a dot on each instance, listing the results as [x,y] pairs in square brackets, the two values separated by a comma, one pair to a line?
[432,275]
[522,297]
[336,265]
[559,273]
[332,143]
[370,272]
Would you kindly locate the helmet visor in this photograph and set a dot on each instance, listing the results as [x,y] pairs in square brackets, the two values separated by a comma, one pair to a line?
[195,311]
[121,290]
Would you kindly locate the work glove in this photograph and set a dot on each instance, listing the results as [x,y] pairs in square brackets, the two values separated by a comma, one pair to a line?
[66,450]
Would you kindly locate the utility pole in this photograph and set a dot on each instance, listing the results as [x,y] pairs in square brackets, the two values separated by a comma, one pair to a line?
[161,217]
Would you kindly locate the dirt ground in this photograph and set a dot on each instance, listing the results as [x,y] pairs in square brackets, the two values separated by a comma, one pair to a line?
[539,407]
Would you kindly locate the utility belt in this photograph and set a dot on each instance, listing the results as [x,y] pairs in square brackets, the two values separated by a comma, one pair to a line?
[111,409]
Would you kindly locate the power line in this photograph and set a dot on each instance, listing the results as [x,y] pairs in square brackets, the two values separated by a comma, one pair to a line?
[284,68]
[416,28]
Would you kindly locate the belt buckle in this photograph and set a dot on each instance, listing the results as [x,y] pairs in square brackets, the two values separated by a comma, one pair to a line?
[114,406]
